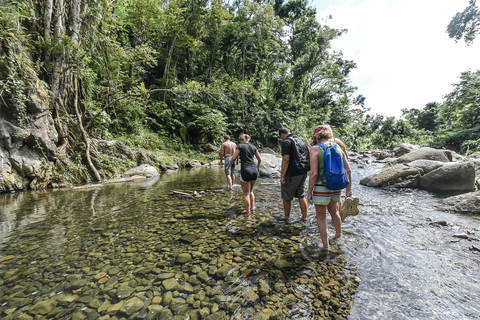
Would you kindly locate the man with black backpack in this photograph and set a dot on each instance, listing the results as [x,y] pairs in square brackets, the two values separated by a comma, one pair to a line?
[295,166]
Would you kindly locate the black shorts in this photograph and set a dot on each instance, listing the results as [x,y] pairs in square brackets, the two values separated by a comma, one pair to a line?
[248,173]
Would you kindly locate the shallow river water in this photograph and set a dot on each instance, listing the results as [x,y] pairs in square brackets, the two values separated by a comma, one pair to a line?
[136,251]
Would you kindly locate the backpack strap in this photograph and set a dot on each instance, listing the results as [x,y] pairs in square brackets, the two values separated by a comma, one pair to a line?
[334,145]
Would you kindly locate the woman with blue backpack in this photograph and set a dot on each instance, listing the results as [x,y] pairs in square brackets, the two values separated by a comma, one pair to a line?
[329,173]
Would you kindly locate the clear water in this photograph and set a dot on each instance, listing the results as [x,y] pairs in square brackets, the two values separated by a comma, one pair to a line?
[410,266]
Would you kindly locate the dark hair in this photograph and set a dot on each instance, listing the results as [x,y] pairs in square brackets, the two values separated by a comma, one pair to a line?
[283,130]
[226,137]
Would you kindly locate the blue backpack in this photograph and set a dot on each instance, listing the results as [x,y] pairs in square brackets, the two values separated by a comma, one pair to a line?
[334,176]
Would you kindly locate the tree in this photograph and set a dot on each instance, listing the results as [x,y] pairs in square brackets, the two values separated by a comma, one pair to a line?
[465,24]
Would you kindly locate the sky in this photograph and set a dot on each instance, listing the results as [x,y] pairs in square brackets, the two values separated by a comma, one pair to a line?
[404,56]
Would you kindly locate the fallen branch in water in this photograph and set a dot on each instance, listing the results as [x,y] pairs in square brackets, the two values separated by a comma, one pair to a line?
[182,194]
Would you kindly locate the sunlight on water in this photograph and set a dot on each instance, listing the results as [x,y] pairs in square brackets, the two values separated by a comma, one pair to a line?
[135,250]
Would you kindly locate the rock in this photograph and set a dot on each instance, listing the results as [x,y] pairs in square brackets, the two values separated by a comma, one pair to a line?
[144,170]
[192,163]
[183,258]
[427,153]
[468,203]
[124,292]
[131,306]
[190,237]
[211,148]
[426,166]
[277,315]
[170,284]
[400,173]
[223,271]
[271,165]
[461,235]
[43,307]
[404,148]
[383,154]
[282,264]
[263,287]
[114,308]
[457,176]
[202,276]
[167,298]
[427,174]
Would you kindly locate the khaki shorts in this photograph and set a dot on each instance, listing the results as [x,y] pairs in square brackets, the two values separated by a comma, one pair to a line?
[294,187]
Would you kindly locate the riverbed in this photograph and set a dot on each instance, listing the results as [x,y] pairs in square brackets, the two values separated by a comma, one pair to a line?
[134,250]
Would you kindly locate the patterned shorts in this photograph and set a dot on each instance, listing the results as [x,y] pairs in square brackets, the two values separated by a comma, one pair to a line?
[322,195]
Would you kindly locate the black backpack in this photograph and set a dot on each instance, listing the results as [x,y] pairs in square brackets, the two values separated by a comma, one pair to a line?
[301,154]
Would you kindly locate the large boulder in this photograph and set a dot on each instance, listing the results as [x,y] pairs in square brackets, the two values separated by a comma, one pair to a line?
[271,165]
[456,176]
[24,151]
[468,203]
[399,175]
[404,148]
[144,170]
[426,174]
[427,153]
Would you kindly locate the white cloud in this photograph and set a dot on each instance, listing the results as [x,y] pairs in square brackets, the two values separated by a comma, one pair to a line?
[404,56]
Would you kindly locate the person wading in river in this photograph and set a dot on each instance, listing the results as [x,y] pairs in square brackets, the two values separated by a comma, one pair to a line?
[320,195]
[248,171]
[351,202]
[292,180]
[226,152]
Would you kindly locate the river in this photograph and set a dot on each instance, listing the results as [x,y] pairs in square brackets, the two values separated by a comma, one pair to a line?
[134,250]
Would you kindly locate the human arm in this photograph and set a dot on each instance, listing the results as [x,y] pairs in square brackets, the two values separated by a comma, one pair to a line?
[285,162]
[234,158]
[222,153]
[259,159]
[342,146]
[314,153]
[348,169]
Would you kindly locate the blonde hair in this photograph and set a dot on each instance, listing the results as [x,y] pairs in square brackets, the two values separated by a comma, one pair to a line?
[244,137]
[323,134]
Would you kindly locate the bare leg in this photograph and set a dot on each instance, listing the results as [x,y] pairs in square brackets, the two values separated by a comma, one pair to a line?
[229,180]
[246,195]
[321,211]
[252,196]
[233,179]
[303,207]
[287,206]
[336,219]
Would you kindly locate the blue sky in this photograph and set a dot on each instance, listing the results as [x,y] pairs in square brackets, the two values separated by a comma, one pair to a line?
[404,56]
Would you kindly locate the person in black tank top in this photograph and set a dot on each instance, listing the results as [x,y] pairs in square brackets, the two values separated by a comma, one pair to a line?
[248,170]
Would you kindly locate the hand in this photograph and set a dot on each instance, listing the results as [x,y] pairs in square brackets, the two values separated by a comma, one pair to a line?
[309,197]
[282,180]
[221,163]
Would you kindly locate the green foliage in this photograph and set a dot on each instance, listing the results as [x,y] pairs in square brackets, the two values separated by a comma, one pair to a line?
[17,70]
[465,24]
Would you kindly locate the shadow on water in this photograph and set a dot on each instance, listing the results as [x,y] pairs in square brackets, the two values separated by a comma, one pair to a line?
[135,251]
